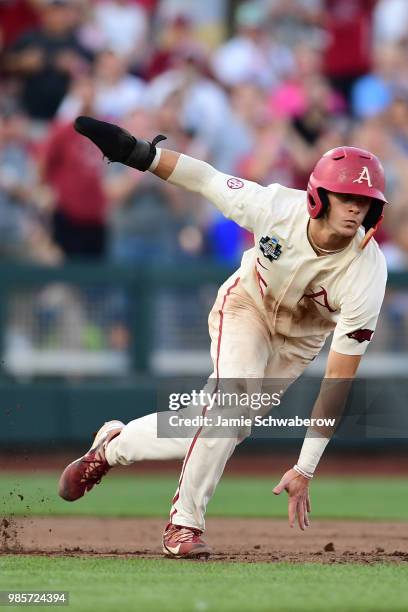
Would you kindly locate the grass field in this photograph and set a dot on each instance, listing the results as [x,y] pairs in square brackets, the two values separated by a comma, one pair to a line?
[109,583]
[140,584]
[361,498]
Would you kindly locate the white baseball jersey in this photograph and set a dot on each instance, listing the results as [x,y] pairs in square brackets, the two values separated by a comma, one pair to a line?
[300,294]
[270,319]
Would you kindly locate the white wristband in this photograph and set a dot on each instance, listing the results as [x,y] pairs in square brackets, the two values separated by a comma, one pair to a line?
[155,161]
[312,450]
[302,472]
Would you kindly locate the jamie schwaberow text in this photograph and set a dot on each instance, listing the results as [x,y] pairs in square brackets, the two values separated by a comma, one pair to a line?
[259,421]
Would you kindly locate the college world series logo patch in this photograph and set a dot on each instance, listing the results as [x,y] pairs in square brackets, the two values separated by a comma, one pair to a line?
[270,247]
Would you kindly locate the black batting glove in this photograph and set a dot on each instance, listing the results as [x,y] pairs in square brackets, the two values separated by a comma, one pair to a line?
[117,144]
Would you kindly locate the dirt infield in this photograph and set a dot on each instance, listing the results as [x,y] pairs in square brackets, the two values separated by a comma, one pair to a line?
[233,539]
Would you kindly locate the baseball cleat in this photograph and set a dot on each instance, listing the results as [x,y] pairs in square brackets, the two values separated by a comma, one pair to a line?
[83,473]
[184,543]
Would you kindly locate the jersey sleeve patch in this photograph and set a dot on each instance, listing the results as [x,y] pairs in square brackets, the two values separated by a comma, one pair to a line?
[361,335]
[235,183]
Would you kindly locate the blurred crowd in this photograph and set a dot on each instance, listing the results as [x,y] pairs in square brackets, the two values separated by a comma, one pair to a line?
[259,89]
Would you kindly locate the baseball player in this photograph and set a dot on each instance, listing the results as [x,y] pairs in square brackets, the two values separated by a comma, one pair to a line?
[313,269]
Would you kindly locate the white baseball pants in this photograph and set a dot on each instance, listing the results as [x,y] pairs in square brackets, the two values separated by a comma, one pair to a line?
[241,348]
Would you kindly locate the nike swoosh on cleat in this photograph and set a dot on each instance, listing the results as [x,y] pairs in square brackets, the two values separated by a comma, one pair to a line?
[173,549]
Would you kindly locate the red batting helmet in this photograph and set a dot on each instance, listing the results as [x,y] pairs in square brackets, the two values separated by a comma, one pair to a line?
[348,170]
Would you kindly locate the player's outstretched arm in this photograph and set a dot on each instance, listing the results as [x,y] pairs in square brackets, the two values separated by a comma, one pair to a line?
[118,145]
[340,371]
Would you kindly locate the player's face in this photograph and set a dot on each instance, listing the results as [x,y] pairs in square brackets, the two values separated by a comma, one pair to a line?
[346,212]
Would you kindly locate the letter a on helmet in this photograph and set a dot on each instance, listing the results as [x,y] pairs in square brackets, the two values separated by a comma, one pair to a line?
[364,176]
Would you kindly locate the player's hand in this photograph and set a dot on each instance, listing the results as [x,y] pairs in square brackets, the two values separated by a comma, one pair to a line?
[117,144]
[297,488]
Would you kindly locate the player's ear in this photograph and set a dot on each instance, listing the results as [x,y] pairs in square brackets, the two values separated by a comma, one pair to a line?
[324,196]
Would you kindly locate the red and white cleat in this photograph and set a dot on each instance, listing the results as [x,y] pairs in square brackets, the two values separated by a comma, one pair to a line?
[83,473]
[184,543]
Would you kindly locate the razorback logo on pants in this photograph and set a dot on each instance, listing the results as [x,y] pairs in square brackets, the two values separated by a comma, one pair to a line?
[361,335]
